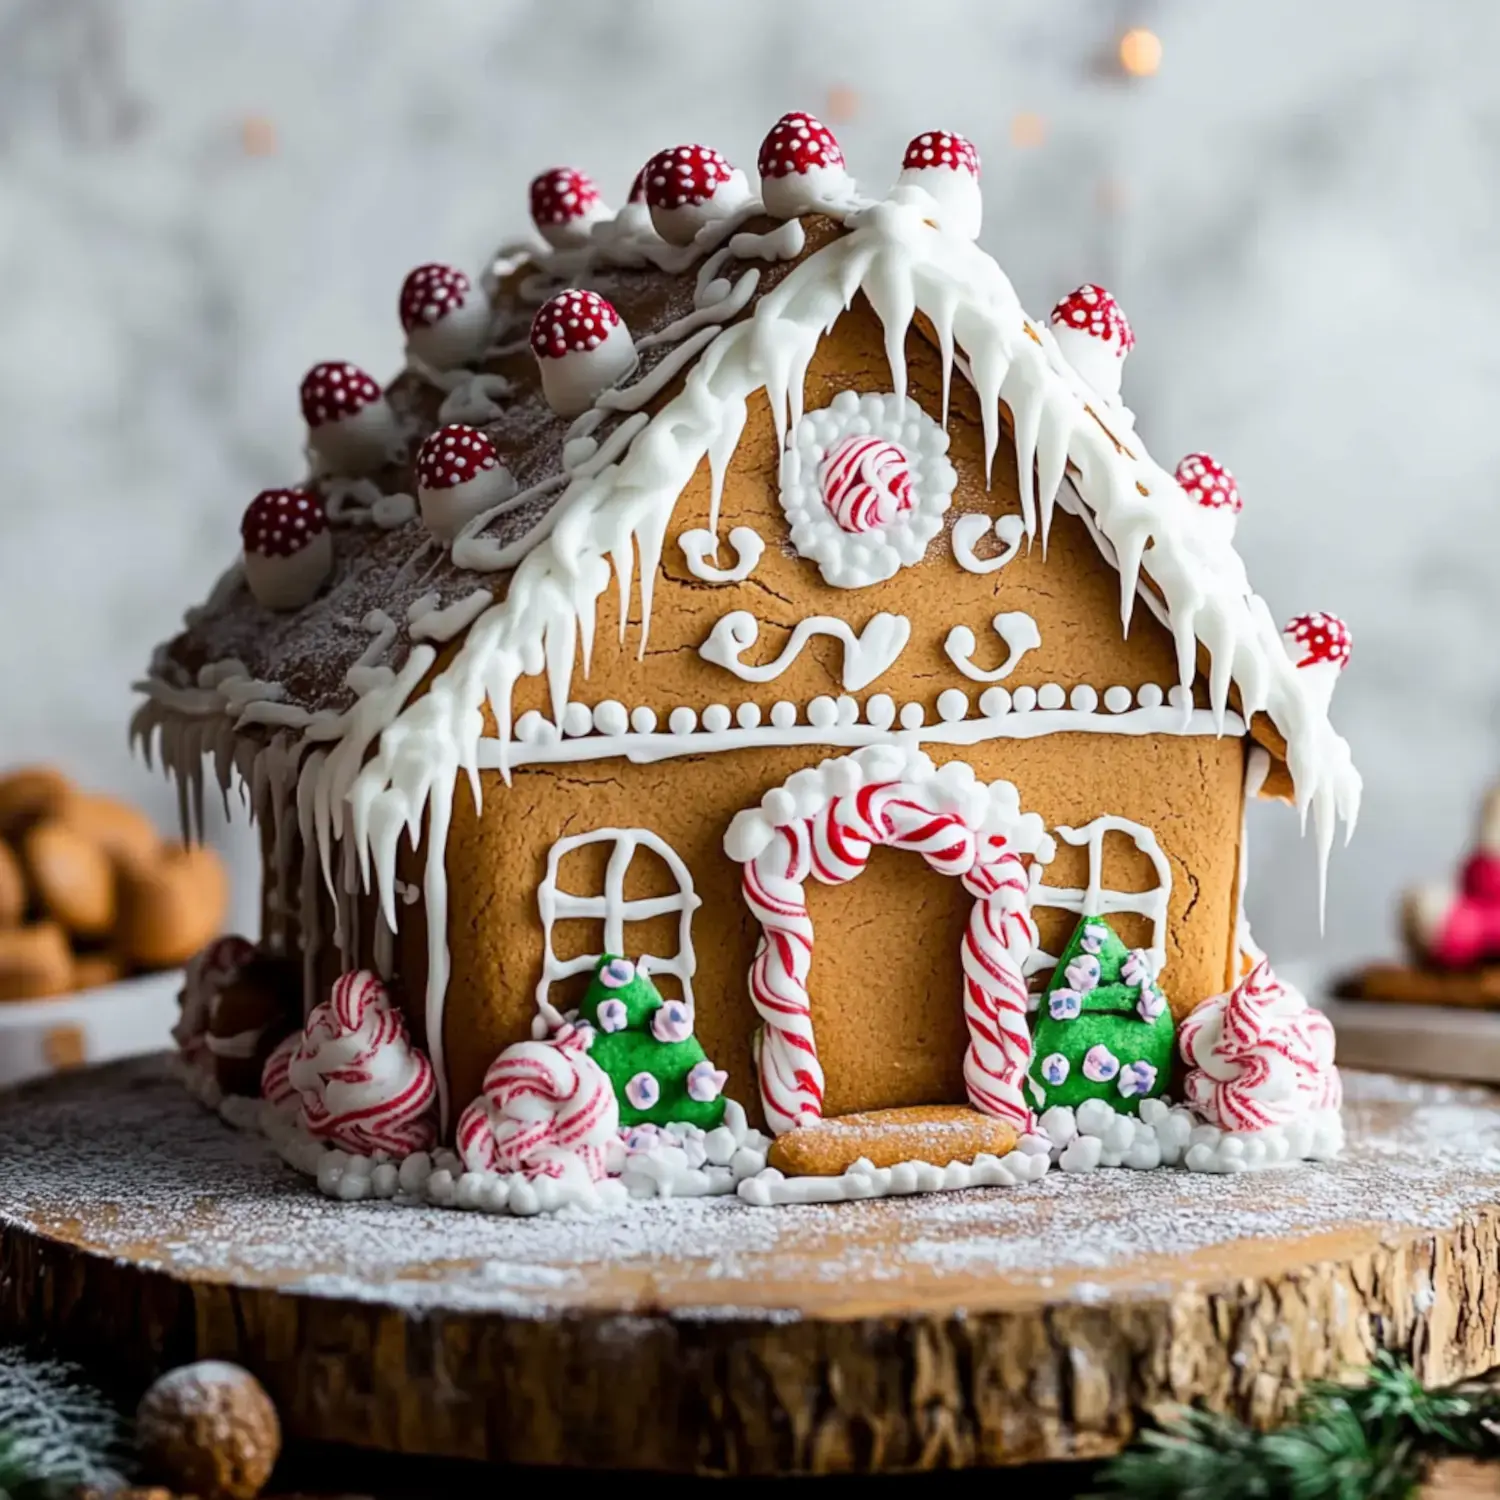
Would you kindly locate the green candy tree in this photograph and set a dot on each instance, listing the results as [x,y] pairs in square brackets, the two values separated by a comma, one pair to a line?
[646,1047]
[1103,1029]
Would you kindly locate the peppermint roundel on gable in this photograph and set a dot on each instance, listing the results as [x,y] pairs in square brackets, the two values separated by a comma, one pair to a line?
[865,486]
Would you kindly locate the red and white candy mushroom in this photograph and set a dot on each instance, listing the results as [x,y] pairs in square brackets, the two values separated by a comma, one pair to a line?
[288,548]
[446,317]
[582,347]
[801,167]
[1211,487]
[946,167]
[1094,336]
[350,425]
[459,476]
[690,186]
[565,205]
[1319,645]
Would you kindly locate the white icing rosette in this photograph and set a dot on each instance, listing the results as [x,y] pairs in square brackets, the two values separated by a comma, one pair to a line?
[1260,1056]
[865,485]
[364,1087]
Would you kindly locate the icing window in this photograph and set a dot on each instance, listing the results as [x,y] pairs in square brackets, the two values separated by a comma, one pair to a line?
[1096,899]
[608,915]
[865,484]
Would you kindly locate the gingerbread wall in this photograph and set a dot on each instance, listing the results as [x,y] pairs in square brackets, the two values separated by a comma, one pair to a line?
[885,978]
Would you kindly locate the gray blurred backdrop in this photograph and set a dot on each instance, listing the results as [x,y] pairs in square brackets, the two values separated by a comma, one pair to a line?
[200,198]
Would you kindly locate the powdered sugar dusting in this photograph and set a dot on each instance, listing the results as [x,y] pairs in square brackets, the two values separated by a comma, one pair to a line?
[123,1161]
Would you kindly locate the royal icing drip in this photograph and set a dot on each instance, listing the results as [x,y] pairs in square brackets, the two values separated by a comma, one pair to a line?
[867,655]
[1016,629]
[823,824]
[612,909]
[547,1110]
[1259,1057]
[364,1086]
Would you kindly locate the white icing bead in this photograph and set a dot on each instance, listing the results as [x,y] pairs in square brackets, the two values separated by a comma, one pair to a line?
[1023,700]
[611,717]
[994,703]
[682,721]
[952,705]
[1149,696]
[1117,699]
[880,711]
[1051,696]
[716,718]
[747,715]
[913,715]
[529,727]
[1084,699]
[822,713]
[577,720]
[848,710]
[1179,697]
[783,714]
[643,720]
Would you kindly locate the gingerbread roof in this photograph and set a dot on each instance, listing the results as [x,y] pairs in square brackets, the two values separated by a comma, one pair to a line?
[579,503]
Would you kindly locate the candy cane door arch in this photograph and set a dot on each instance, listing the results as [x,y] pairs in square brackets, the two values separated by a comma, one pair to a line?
[822,825]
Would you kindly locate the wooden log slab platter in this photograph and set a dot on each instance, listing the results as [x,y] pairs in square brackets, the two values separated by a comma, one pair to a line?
[997,1326]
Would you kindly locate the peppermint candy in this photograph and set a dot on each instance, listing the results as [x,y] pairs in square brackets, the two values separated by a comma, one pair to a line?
[547,1110]
[364,1087]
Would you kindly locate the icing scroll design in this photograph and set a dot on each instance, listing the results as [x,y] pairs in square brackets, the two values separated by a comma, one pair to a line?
[1017,629]
[969,530]
[866,655]
[701,545]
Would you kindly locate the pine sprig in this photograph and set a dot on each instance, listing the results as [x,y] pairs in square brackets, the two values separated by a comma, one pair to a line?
[1366,1442]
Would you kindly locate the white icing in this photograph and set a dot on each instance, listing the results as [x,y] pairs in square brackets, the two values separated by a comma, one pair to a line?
[475,400]
[537,742]
[361,502]
[867,655]
[855,559]
[698,546]
[611,908]
[969,530]
[1015,628]
[1098,900]
[864,1180]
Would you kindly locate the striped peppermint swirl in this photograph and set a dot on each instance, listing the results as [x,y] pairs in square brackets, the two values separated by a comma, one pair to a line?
[866,482]
[833,846]
[1260,1056]
[275,1080]
[545,1104]
[364,1086]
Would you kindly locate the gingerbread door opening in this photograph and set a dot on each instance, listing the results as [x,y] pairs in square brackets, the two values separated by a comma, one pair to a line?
[822,826]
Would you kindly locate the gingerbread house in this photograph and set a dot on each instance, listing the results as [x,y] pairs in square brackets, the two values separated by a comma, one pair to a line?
[744,584]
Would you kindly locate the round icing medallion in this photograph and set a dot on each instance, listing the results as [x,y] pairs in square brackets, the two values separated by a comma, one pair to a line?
[865,487]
